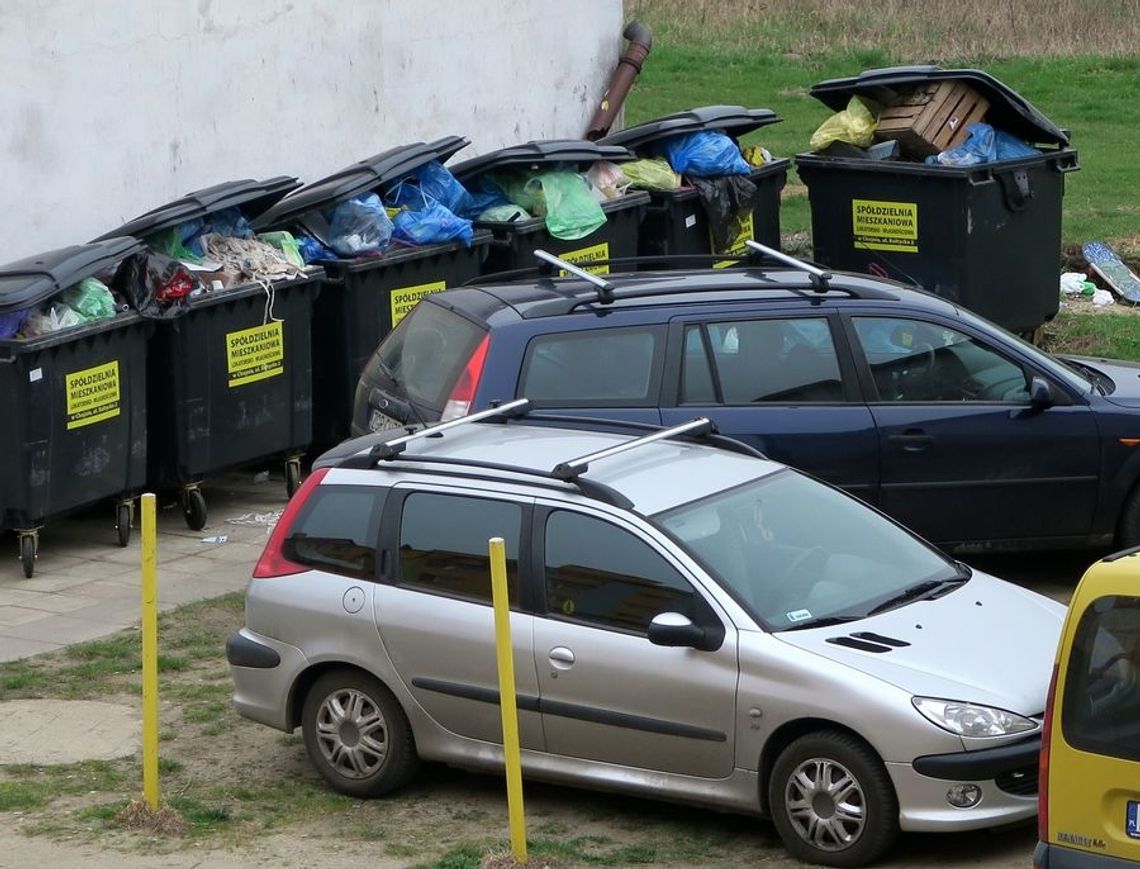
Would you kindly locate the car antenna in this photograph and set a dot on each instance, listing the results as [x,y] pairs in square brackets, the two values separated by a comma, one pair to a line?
[604,287]
[391,449]
[819,277]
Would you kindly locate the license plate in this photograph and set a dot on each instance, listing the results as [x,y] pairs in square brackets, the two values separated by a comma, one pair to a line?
[382,422]
[1132,819]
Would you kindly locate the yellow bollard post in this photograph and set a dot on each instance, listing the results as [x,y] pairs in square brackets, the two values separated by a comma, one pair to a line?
[507,701]
[149,653]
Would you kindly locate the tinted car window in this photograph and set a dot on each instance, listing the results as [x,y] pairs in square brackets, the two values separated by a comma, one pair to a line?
[337,529]
[912,360]
[594,367]
[598,573]
[1102,687]
[756,361]
[443,544]
[426,353]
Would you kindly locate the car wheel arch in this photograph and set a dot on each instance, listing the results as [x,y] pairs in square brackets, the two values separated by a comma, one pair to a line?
[785,735]
[308,677]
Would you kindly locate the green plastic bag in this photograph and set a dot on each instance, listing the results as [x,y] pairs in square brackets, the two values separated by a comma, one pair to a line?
[90,298]
[854,125]
[170,244]
[571,209]
[285,243]
[651,174]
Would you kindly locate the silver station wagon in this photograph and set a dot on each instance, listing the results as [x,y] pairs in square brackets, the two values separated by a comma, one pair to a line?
[690,622]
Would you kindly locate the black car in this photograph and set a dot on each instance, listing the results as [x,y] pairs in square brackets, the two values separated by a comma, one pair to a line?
[965,433]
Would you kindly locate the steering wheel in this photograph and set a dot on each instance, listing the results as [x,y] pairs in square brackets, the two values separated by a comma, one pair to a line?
[802,560]
[920,362]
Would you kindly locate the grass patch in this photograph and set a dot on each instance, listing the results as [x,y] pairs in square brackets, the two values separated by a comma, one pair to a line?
[24,795]
[1110,335]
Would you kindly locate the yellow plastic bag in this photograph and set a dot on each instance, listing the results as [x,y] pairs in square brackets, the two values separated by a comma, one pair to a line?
[855,125]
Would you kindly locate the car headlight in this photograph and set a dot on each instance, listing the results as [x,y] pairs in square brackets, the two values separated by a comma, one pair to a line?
[970,719]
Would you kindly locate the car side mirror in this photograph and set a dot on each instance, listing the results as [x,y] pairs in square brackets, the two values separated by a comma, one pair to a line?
[1041,394]
[674,629]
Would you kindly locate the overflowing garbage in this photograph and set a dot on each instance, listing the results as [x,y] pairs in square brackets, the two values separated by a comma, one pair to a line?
[88,301]
[939,122]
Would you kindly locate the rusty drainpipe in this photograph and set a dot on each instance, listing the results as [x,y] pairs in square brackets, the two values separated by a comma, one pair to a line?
[640,42]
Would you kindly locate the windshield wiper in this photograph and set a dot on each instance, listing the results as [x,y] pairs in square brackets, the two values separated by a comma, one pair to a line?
[919,591]
[824,622]
[1088,373]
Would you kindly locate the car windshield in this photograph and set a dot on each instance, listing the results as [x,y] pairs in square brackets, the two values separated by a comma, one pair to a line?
[797,553]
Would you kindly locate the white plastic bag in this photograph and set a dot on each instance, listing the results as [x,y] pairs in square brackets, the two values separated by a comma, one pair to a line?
[1072,283]
[1101,298]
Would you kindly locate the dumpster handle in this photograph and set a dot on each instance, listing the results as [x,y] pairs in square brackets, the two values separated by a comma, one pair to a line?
[987,179]
[1070,165]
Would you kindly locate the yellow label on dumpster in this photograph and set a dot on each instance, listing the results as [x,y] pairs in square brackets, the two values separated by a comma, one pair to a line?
[405,298]
[92,395]
[255,354]
[737,247]
[879,225]
[585,255]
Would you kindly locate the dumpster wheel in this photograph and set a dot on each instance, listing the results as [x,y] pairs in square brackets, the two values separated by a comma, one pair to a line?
[123,516]
[194,507]
[29,544]
[292,475]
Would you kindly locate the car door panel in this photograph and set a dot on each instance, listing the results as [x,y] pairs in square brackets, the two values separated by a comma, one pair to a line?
[965,457]
[610,695]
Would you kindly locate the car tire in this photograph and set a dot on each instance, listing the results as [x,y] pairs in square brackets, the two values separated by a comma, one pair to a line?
[1128,528]
[357,735]
[831,800]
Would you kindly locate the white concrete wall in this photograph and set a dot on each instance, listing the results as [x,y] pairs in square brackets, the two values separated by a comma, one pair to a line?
[109,108]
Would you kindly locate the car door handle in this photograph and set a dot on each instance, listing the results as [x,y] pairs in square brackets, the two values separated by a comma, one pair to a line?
[561,657]
[912,440]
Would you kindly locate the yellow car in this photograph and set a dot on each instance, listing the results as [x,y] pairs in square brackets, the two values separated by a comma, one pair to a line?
[1089,791]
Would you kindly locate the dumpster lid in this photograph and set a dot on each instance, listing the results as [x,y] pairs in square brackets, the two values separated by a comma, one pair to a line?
[541,152]
[1009,110]
[368,174]
[37,278]
[252,197]
[734,120]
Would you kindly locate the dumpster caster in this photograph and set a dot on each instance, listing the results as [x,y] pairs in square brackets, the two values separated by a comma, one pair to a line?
[29,543]
[292,476]
[194,508]
[123,522]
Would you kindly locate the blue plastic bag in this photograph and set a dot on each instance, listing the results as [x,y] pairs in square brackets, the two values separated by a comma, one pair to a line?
[485,193]
[312,251]
[12,322]
[360,227]
[433,224]
[432,181]
[229,222]
[983,144]
[705,154]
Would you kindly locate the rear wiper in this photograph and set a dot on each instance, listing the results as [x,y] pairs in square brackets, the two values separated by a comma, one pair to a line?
[918,591]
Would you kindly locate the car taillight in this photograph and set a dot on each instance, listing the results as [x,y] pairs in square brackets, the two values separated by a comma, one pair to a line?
[463,393]
[273,561]
[1043,765]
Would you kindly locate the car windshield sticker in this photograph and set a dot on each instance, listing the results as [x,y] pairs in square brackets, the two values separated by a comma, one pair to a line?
[1132,819]
[797,615]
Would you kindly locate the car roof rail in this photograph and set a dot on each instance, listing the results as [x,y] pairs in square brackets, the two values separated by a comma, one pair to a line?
[574,468]
[392,448]
[631,263]
[729,444]
[605,288]
[819,278]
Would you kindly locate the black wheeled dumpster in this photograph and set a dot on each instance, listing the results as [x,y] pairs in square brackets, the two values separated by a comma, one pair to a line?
[985,236]
[230,377]
[76,400]
[516,241]
[365,297]
[676,221]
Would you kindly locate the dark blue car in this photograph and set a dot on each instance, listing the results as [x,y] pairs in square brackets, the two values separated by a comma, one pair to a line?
[963,432]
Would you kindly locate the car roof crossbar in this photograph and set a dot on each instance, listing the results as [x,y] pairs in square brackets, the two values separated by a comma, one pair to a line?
[605,288]
[575,467]
[818,276]
[392,448]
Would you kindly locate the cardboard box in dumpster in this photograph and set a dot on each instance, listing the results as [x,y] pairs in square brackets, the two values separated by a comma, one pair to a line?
[932,117]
